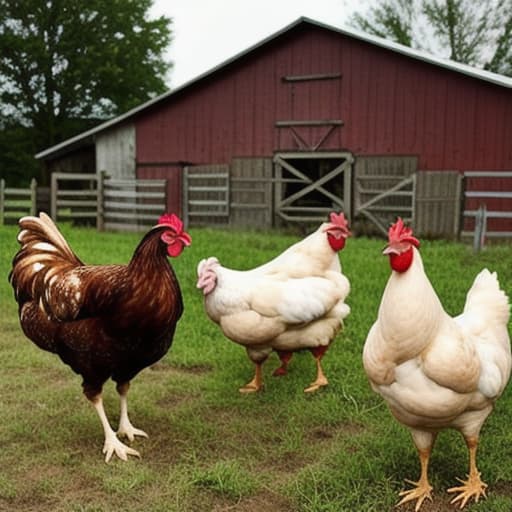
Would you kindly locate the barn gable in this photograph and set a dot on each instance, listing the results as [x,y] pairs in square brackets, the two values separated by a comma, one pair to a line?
[335,95]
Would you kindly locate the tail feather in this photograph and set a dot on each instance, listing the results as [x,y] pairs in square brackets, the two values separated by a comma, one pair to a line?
[43,252]
[486,298]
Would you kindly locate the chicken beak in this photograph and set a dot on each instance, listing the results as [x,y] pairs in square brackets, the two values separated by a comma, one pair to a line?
[389,249]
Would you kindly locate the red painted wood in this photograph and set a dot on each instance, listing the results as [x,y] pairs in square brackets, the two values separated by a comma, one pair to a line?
[390,104]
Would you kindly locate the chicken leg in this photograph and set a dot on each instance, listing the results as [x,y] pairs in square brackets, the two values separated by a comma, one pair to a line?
[422,490]
[256,383]
[112,444]
[125,426]
[284,356]
[473,486]
[321,379]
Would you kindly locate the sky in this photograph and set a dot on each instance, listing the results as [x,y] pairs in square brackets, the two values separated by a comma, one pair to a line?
[208,32]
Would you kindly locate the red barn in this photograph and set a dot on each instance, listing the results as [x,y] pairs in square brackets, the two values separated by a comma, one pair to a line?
[314,118]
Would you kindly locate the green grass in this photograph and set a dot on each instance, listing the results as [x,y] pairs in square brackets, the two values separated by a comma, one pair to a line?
[212,449]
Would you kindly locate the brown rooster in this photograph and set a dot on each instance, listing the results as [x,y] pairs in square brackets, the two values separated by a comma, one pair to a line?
[103,321]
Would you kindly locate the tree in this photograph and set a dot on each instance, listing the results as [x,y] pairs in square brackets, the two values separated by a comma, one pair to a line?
[474,33]
[65,64]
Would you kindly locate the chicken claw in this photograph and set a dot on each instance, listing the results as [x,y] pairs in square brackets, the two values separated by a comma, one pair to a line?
[256,383]
[422,491]
[472,487]
[129,431]
[126,429]
[319,383]
[251,387]
[113,445]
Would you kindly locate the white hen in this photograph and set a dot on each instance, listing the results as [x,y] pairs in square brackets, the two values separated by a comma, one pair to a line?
[294,302]
[435,371]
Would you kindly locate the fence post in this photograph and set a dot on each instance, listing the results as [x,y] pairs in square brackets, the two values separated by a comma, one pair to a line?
[185,197]
[480,228]
[53,197]
[100,212]
[2,200]
[33,196]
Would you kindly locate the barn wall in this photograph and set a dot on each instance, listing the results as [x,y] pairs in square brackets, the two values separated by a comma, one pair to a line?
[390,104]
[115,151]
[79,161]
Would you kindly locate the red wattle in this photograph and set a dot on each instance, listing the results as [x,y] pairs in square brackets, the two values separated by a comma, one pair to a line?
[401,262]
[336,244]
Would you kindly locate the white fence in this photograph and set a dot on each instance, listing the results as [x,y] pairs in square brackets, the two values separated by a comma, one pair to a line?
[483,213]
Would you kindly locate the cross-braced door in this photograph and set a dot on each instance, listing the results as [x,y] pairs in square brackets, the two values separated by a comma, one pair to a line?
[310,185]
[384,188]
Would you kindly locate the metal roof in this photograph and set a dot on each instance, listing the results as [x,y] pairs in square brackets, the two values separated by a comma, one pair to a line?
[88,136]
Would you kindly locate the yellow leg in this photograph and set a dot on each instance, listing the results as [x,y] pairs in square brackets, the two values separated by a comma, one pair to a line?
[321,379]
[422,489]
[473,486]
[256,383]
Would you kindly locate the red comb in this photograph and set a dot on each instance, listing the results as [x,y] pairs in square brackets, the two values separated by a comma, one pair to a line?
[172,221]
[398,233]
[339,220]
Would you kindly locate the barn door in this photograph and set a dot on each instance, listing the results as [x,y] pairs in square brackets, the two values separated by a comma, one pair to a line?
[310,185]
[384,188]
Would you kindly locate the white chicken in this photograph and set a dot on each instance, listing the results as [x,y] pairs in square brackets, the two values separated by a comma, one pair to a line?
[294,302]
[435,371]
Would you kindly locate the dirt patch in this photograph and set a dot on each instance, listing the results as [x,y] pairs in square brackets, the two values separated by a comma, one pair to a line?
[194,369]
[264,502]
[328,433]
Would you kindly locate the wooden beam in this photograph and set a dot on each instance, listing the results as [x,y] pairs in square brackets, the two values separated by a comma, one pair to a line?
[304,78]
[319,122]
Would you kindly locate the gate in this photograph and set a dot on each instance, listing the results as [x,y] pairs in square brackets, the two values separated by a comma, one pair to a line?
[384,188]
[310,185]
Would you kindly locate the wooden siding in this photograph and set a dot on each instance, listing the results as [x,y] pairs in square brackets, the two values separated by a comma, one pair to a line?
[438,204]
[115,152]
[251,192]
[390,104]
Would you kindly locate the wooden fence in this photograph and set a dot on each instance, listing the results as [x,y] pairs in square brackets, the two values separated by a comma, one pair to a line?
[133,205]
[77,197]
[206,195]
[441,204]
[492,203]
[17,202]
[119,205]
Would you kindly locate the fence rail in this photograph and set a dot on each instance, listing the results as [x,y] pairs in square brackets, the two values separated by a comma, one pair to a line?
[17,202]
[114,204]
[133,205]
[483,213]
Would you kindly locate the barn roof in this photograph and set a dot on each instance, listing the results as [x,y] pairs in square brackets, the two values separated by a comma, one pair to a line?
[87,137]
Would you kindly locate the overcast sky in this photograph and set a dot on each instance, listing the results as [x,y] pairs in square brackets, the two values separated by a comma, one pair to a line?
[207,32]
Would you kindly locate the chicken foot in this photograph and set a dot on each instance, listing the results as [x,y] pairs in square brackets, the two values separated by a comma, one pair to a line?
[112,443]
[321,379]
[126,428]
[256,383]
[422,489]
[473,486]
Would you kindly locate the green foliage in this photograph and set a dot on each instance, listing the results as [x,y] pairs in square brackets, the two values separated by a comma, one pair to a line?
[211,448]
[475,33]
[65,64]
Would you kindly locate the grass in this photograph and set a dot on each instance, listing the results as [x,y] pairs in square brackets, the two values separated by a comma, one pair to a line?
[212,449]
